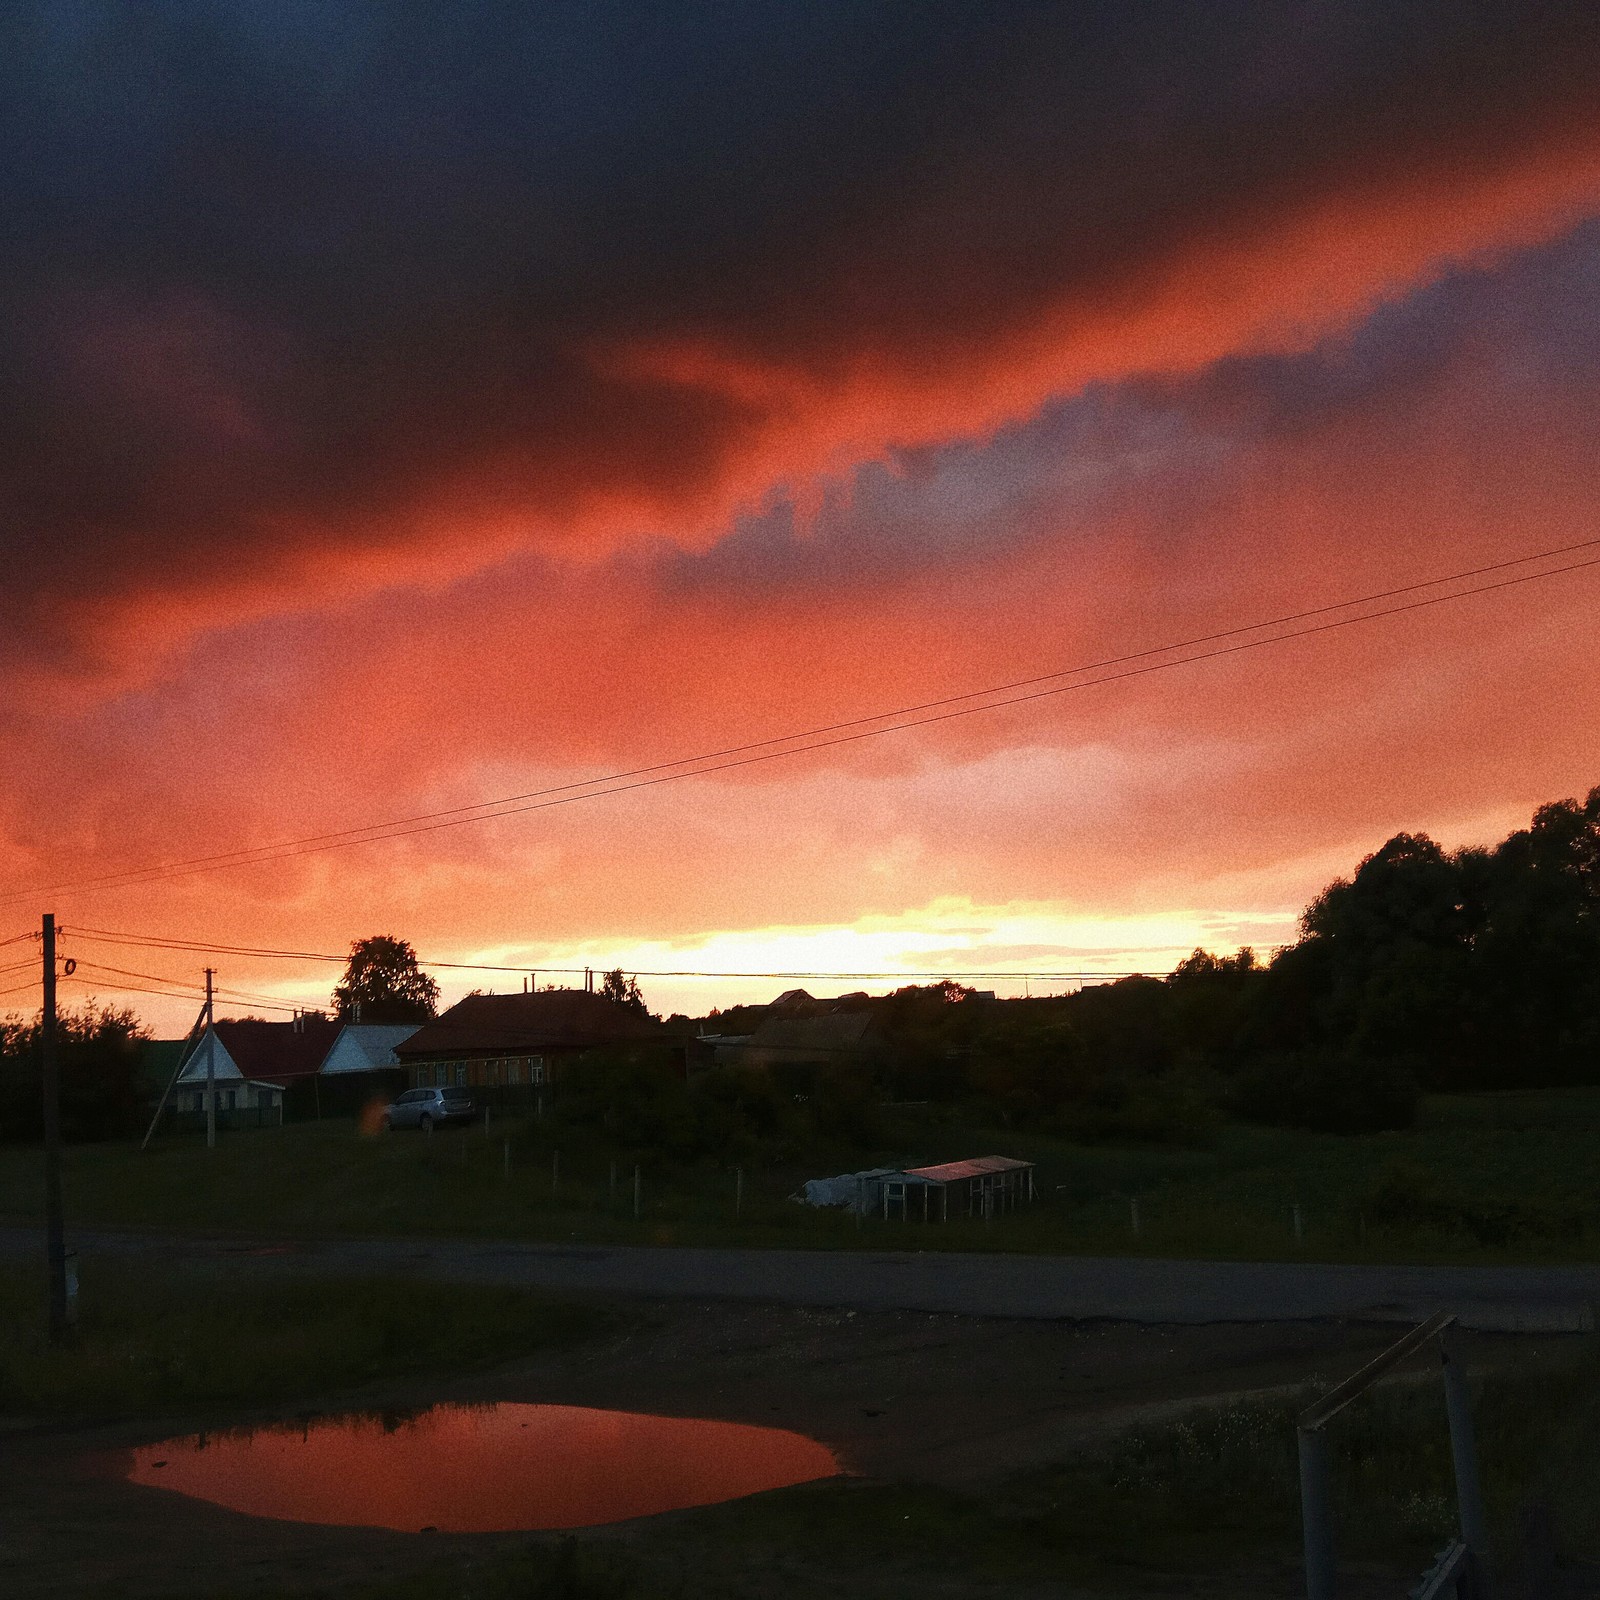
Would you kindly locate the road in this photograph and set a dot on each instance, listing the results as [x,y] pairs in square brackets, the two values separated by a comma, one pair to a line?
[1522,1299]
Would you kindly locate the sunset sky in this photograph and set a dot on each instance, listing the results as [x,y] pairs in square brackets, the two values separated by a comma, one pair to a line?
[409,407]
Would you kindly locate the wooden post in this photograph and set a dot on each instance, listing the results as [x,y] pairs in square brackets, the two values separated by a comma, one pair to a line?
[506,1163]
[555,1170]
[738,1192]
[613,1183]
[1299,1221]
[1133,1214]
[637,1196]
[55,1245]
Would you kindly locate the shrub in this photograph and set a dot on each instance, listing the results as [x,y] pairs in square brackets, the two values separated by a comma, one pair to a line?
[1328,1094]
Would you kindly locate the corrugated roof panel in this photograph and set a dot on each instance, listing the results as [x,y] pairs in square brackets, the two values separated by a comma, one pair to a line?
[977,1167]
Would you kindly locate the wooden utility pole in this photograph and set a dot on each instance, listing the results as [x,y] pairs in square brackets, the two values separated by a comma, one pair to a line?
[55,1241]
[210,1048]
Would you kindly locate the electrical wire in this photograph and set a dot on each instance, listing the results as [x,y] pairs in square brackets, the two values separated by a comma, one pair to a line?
[191,990]
[813,739]
[199,947]
[17,938]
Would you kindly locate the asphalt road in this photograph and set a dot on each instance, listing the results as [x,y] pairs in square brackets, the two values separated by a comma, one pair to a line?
[1522,1299]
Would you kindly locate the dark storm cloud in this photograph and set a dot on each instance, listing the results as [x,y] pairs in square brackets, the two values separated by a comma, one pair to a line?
[300,283]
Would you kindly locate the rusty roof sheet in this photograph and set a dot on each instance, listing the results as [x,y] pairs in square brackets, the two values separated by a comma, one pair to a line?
[977,1167]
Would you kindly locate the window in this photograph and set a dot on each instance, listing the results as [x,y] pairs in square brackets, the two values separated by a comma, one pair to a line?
[514,1070]
[227,1100]
[536,1069]
[461,1072]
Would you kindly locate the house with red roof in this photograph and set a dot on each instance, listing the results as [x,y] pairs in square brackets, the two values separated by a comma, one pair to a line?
[252,1065]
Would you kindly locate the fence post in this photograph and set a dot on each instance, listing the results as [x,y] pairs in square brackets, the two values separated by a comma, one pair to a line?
[1133,1214]
[613,1183]
[1299,1222]
[555,1170]
[1314,1517]
[636,1194]
[738,1192]
[507,1160]
[1464,1458]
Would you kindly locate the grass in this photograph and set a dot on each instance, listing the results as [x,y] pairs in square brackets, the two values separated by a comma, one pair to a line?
[1484,1178]
[158,1342]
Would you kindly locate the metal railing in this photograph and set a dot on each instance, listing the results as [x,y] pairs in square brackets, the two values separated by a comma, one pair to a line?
[1460,1570]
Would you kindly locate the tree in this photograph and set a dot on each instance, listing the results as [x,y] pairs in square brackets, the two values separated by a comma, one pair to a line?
[100,1055]
[623,989]
[384,980]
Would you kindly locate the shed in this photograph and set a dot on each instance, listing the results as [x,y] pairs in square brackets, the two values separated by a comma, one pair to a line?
[981,1187]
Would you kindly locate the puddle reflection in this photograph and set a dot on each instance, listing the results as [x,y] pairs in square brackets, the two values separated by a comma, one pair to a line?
[481,1469]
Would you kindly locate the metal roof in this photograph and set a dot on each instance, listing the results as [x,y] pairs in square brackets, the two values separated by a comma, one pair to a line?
[977,1167]
[551,1019]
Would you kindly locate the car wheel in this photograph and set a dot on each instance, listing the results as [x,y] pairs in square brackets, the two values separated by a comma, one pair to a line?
[425,1123]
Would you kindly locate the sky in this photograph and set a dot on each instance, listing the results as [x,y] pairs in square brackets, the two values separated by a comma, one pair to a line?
[408,407]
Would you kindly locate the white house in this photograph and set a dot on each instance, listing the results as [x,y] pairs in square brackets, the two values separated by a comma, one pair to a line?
[366,1047]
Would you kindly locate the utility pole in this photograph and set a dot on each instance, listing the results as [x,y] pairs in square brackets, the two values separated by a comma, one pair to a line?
[55,1243]
[211,1067]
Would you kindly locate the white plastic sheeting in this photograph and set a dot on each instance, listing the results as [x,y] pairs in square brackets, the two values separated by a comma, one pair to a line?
[856,1191]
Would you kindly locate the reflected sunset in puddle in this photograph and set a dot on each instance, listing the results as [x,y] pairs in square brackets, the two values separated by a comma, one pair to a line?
[481,1469]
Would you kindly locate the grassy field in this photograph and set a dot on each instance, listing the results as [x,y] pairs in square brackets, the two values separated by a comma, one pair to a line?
[1205,1504]
[1483,1178]
[158,1342]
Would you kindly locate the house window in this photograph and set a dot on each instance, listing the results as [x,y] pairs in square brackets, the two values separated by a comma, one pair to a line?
[227,1100]
[536,1069]
[461,1073]
[514,1070]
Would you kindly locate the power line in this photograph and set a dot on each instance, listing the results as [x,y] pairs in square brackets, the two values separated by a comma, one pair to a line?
[17,938]
[178,991]
[813,739]
[200,947]
[241,996]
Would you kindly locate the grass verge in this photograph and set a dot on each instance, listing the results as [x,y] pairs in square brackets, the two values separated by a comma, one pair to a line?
[153,1342]
[1485,1178]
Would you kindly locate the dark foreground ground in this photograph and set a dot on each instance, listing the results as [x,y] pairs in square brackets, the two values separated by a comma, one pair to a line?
[953,1427]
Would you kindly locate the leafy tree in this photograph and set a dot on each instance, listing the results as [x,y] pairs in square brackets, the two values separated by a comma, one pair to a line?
[99,1057]
[384,980]
[616,985]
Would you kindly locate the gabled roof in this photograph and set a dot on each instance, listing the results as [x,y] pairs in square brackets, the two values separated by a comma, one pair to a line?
[273,1052]
[552,1019]
[366,1046]
[835,1033]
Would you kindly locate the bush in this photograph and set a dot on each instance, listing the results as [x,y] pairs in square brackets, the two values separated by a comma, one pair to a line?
[1328,1094]
[1404,1195]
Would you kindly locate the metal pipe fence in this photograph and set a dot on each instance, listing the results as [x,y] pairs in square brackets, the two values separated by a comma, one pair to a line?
[1461,1569]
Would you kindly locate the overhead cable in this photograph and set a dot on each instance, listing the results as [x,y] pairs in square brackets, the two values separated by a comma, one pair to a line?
[831,735]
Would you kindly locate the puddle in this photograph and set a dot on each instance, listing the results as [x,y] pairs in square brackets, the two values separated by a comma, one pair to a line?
[481,1469]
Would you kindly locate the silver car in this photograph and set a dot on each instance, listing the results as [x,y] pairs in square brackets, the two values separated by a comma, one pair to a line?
[430,1108]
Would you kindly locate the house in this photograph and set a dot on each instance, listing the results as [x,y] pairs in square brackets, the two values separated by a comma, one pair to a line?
[510,1045]
[358,1076]
[366,1047]
[252,1064]
[786,1040]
